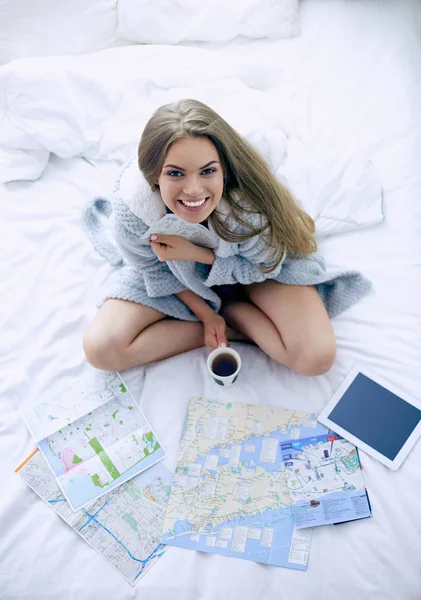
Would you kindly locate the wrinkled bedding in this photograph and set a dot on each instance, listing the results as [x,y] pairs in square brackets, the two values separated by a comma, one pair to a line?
[351,151]
[49,28]
[340,190]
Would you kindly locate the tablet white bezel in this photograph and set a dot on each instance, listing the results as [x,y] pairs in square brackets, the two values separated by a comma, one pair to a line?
[410,442]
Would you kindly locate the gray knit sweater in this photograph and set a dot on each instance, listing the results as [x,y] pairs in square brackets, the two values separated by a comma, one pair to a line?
[137,212]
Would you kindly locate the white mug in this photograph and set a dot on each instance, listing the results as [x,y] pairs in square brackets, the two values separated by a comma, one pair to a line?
[224,380]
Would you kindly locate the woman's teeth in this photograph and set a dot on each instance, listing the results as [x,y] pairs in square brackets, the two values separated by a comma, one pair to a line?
[193,204]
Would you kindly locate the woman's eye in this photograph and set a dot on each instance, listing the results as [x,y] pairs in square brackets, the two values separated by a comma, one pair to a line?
[174,173]
[208,171]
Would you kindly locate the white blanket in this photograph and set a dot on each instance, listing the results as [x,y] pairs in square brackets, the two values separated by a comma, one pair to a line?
[359,65]
[96,106]
[48,27]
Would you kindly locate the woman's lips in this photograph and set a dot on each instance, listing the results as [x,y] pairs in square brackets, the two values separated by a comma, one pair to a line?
[193,205]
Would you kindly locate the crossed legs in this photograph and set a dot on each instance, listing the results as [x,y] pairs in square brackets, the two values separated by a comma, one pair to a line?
[289,323]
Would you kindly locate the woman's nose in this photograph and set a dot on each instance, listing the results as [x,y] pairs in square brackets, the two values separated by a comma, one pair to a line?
[193,186]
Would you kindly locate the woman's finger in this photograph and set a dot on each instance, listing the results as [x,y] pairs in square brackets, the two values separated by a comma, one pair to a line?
[162,252]
[159,238]
[158,247]
[221,337]
[211,341]
[161,246]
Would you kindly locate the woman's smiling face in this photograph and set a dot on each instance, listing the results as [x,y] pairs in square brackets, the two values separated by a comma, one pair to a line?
[192,179]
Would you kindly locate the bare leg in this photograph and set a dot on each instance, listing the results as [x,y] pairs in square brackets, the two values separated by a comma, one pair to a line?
[125,334]
[253,323]
[289,323]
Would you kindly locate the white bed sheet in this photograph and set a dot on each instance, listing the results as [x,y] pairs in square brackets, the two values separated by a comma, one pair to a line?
[360,62]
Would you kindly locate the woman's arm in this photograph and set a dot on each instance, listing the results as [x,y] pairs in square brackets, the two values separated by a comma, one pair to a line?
[128,232]
[213,323]
[245,267]
[178,248]
[201,309]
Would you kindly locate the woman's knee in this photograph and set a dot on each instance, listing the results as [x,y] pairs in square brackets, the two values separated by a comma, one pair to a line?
[314,359]
[103,351]
[310,360]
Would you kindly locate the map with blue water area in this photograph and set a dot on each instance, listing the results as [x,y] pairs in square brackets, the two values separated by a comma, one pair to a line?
[325,481]
[124,527]
[93,437]
[229,493]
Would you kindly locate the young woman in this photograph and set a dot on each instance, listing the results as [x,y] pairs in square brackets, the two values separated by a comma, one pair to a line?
[215,249]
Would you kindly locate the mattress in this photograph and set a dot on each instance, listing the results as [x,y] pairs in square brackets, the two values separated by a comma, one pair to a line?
[358,64]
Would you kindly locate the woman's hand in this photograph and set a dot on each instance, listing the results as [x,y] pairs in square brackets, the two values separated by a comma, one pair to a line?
[175,247]
[215,328]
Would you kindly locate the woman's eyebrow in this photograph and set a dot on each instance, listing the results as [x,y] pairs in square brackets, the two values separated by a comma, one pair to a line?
[181,168]
[174,167]
[209,163]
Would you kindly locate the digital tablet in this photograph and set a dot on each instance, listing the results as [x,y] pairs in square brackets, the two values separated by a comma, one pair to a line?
[375,416]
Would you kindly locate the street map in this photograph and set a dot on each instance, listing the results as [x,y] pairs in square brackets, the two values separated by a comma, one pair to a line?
[124,527]
[325,481]
[94,437]
[229,493]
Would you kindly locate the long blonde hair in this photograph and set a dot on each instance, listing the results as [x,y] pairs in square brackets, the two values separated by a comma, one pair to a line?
[249,184]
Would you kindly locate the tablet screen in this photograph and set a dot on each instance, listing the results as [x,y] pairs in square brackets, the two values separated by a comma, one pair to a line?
[376,416]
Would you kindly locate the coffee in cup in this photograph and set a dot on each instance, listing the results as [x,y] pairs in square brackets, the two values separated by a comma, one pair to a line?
[224,365]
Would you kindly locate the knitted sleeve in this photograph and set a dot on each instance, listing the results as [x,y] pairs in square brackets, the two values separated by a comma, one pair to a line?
[129,232]
[245,266]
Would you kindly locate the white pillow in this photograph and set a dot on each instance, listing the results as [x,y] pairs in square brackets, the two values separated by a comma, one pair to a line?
[54,27]
[172,22]
[49,27]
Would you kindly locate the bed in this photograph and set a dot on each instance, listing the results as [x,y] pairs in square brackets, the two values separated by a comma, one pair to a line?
[343,100]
